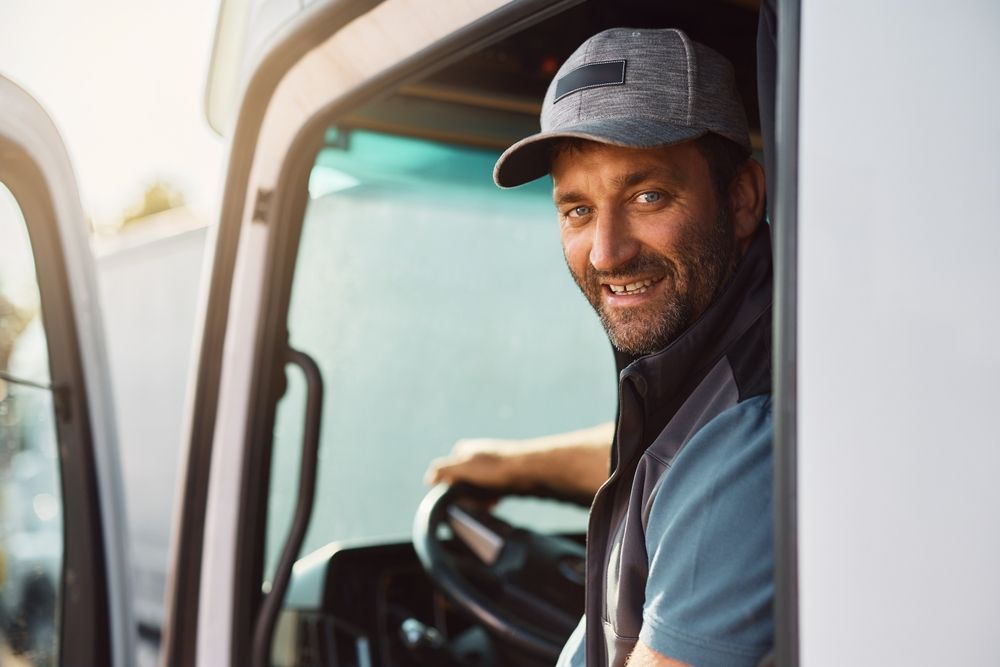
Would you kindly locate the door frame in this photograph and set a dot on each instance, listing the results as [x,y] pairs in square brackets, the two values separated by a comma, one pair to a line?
[95,605]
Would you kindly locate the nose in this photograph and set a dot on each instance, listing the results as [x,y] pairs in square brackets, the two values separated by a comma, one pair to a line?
[613,243]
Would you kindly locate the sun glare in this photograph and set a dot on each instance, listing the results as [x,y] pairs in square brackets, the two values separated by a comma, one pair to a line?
[124,82]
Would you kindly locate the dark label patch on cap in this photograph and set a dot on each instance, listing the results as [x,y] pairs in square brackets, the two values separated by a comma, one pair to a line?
[594,75]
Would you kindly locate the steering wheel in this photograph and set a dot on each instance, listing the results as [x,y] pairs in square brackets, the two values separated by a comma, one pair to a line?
[526,588]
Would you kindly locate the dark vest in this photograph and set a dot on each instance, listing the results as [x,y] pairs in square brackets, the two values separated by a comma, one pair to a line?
[664,399]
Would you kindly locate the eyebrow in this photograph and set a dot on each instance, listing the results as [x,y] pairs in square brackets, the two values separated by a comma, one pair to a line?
[631,179]
[569,197]
[634,178]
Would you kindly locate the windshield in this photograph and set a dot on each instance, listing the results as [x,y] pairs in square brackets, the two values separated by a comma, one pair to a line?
[438,307]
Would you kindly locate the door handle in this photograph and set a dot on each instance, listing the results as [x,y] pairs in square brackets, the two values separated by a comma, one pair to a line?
[271,606]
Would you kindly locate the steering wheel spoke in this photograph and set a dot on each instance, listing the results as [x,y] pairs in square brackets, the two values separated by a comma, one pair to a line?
[480,531]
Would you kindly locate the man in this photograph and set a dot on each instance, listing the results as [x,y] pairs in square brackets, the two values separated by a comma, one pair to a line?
[660,213]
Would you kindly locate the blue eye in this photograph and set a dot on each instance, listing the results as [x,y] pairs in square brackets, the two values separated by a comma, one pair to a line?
[649,197]
[579,211]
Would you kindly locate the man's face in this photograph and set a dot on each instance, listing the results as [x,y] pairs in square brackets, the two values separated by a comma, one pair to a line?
[644,237]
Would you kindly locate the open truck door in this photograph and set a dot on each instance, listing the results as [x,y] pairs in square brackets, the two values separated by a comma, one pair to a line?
[63,566]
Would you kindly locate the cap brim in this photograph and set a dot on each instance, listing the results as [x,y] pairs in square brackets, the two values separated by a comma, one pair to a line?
[530,157]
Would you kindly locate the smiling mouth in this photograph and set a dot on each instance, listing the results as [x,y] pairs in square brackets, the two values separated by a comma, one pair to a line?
[637,287]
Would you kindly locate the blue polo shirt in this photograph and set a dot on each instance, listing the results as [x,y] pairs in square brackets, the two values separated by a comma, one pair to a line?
[709,544]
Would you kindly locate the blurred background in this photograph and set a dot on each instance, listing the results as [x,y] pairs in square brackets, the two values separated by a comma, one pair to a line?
[124,82]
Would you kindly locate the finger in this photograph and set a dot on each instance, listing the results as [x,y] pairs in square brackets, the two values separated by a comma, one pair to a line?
[434,472]
[449,471]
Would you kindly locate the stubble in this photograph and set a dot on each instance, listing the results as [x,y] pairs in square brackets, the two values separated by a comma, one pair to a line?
[704,264]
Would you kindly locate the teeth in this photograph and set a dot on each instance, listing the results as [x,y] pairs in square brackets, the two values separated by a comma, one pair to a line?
[637,287]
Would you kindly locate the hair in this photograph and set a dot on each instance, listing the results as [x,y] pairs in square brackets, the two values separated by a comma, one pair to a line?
[724,157]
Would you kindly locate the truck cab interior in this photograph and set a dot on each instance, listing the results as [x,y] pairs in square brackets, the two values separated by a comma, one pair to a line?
[412,303]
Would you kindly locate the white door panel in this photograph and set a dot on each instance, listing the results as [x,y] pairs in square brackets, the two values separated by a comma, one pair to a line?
[899,197]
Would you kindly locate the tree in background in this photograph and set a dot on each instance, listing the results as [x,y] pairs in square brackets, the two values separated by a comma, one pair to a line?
[158,197]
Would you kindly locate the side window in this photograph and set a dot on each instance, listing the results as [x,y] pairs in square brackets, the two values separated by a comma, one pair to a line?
[437,307]
[31,523]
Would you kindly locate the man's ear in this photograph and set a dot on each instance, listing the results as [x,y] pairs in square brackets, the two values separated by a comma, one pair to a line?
[746,201]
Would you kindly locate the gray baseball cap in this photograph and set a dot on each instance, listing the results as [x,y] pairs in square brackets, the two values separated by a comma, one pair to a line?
[631,87]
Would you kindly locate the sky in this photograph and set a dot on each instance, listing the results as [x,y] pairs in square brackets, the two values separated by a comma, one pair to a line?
[124,81]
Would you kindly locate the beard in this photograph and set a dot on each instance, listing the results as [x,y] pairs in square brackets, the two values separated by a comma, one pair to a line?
[704,264]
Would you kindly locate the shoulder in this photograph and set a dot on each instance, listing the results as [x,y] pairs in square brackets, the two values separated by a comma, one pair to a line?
[728,458]
[709,543]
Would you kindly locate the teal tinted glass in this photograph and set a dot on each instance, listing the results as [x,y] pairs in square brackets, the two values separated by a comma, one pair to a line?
[438,307]
[31,504]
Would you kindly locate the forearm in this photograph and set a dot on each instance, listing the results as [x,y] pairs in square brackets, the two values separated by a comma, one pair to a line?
[643,656]
[575,462]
